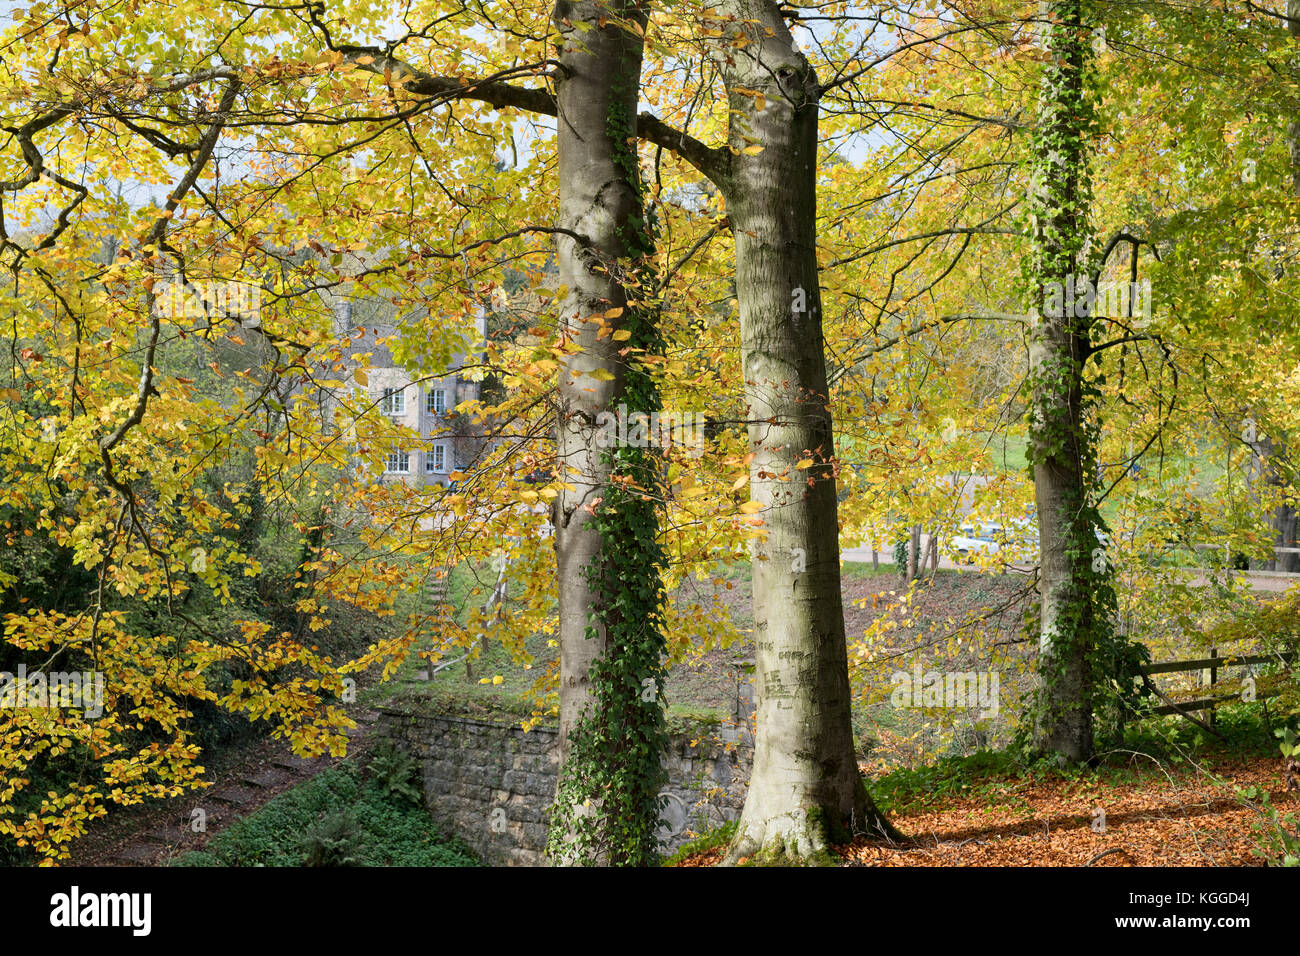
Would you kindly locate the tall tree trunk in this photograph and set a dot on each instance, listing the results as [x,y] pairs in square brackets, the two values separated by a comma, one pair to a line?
[805,789]
[1063,455]
[1272,455]
[595,201]
[600,199]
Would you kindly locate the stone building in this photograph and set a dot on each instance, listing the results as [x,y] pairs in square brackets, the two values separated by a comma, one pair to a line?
[424,402]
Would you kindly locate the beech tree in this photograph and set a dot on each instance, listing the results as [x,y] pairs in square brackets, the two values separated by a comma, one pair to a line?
[805,789]
[609,557]
[1074,592]
[1272,462]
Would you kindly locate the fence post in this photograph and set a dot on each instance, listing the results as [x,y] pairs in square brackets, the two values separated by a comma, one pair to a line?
[1214,679]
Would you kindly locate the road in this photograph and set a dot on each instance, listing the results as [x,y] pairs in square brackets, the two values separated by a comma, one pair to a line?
[1262,581]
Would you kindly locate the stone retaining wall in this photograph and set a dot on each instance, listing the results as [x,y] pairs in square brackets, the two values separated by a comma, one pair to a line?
[492,784]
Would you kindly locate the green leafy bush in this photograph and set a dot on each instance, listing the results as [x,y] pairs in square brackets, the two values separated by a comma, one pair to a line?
[334,819]
[394,772]
[335,840]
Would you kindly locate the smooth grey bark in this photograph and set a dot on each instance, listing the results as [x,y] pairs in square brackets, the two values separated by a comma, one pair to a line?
[805,789]
[600,71]
[1059,346]
[1271,457]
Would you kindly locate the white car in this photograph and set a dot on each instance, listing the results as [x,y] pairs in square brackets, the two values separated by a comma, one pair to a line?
[1019,544]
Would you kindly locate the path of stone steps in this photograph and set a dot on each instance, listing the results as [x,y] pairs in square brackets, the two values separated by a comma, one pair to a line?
[222,805]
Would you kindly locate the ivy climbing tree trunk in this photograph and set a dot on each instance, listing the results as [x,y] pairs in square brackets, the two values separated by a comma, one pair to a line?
[805,789]
[610,595]
[1272,461]
[1073,578]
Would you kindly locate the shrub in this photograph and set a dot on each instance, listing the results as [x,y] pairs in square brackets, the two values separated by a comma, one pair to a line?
[335,840]
[335,819]
[394,772]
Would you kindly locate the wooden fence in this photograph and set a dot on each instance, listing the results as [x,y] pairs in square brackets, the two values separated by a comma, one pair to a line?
[1213,664]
